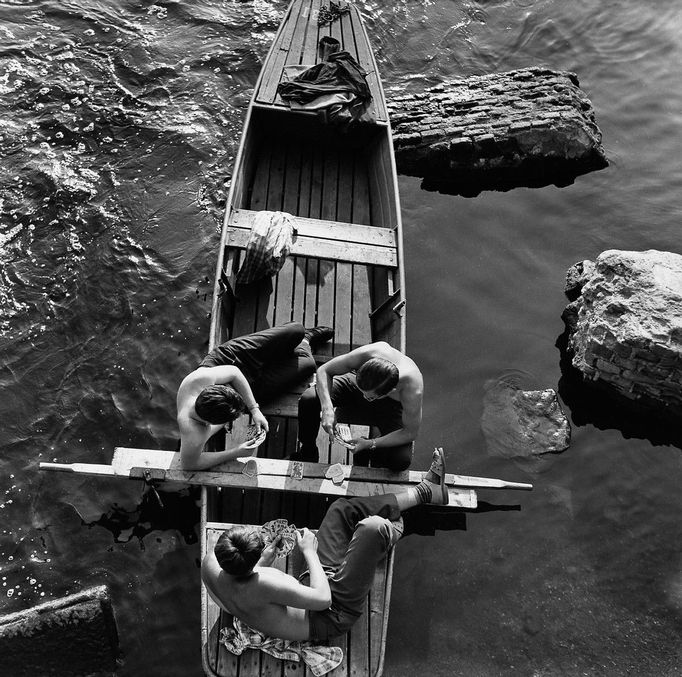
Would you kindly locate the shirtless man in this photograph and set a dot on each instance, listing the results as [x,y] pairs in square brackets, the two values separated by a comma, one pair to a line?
[353,538]
[385,391]
[232,379]
[209,398]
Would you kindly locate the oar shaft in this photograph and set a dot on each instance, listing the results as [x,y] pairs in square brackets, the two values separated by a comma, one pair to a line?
[80,468]
[487,483]
[61,467]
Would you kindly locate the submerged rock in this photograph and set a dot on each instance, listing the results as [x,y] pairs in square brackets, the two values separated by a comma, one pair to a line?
[528,127]
[625,325]
[523,423]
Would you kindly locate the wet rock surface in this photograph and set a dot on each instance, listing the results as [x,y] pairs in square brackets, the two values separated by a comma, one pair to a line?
[71,637]
[528,127]
[625,325]
[523,423]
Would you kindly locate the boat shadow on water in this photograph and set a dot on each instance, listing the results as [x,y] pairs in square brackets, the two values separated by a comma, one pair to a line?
[178,510]
[166,510]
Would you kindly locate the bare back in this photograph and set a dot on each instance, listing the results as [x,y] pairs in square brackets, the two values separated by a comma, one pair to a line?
[249,599]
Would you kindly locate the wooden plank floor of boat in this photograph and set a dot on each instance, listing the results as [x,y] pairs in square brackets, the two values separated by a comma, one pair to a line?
[324,181]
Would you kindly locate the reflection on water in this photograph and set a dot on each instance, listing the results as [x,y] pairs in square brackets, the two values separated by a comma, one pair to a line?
[119,122]
[157,511]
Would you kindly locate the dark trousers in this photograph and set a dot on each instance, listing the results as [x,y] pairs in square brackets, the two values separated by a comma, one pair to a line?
[353,538]
[352,407]
[271,360]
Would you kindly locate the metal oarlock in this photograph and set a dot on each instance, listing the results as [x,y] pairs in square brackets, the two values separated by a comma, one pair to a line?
[149,479]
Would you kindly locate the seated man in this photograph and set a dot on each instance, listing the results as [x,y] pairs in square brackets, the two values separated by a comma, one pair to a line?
[233,378]
[386,391]
[353,538]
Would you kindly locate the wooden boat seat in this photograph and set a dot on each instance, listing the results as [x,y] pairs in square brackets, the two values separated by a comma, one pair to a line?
[362,646]
[332,240]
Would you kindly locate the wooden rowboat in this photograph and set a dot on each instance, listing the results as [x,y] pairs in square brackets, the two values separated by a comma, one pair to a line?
[345,271]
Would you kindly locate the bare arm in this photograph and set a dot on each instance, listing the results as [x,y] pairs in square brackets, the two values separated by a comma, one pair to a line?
[411,420]
[336,367]
[230,375]
[193,434]
[202,461]
[289,592]
[192,455]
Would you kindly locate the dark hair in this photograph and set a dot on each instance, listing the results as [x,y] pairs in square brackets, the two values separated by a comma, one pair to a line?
[238,550]
[379,375]
[219,404]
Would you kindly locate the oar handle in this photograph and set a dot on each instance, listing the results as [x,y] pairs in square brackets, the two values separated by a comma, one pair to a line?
[62,467]
[485,483]
[518,485]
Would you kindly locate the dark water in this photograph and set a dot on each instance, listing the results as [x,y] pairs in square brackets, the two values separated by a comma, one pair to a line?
[118,126]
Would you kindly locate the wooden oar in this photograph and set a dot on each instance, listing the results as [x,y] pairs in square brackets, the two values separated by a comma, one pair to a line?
[83,469]
[279,467]
[127,458]
[459,498]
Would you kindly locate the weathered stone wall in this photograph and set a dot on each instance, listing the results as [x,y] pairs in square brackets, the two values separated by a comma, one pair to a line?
[625,324]
[527,127]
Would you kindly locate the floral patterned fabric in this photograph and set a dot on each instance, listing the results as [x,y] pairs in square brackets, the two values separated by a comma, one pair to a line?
[320,659]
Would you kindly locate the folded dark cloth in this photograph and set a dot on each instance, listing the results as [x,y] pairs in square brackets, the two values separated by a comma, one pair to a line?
[339,73]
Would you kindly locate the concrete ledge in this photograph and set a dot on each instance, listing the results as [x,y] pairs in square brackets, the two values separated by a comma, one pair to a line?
[528,127]
[72,636]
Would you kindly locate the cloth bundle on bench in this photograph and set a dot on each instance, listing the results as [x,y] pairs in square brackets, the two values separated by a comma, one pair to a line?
[269,245]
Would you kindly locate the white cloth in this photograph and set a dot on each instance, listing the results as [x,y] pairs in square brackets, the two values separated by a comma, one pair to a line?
[269,244]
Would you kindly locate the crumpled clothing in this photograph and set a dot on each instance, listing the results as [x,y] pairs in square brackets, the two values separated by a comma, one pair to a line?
[319,658]
[340,73]
[332,101]
[269,245]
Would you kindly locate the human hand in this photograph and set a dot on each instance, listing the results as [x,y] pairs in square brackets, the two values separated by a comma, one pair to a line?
[361,444]
[328,421]
[269,553]
[251,445]
[259,420]
[306,540]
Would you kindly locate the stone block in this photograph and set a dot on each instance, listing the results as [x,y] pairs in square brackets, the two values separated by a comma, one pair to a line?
[628,303]
[607,367]
[540,138]
[73,636]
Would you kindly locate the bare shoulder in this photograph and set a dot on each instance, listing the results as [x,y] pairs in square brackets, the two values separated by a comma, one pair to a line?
[408,367]
[271,576]
[200,375]
[382,349]
[196,381]
[210,569]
